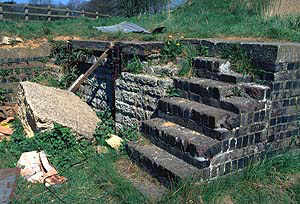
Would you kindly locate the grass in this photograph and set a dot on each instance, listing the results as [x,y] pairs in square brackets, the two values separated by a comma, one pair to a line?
[216,18]
[92,177]
[274,180]
[95,178]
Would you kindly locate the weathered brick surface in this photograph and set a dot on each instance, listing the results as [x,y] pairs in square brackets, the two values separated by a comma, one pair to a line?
[267,116]
[137,96]
[97,90]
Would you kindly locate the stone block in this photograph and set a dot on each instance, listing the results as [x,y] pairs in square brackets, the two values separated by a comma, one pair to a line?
[40,107]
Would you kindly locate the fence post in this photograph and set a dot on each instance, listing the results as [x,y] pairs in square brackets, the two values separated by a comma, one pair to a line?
[1,12]
[68,12]
[97,15]
[49,12]
[82,13]
[26,12]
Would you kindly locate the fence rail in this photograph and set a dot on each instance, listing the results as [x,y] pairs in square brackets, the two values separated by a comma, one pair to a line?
[26,11]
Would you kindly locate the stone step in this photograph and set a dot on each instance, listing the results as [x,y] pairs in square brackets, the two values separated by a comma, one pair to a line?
[201,114]
[237,104]
[230,77]
[256,91]
[205,87]
[211,64]
[167,168]
[237,98]
[217,69]
[212,122]
[186,144]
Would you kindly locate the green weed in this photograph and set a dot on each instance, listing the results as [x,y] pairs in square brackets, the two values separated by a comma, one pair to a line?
[3,93]
[104,128]
[203,51]
[69,60]
[60,144]
[92,177]
[4,72]
[173,92]
[263,182]
[107,127]
[189,52]
[135,65]
[136,7]
[240,60]
[172,49]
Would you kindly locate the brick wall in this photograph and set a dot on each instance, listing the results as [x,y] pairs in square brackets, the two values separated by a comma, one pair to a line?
[14,70]
[137,96]
[269,129]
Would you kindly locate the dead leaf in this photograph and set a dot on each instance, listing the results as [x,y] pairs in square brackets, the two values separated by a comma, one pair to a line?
[168,124]
[114,141]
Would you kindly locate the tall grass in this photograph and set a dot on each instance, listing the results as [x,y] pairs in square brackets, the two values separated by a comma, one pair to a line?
[196,19]
[136,7]
[263,8]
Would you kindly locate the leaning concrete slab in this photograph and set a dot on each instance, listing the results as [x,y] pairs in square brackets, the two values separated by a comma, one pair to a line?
[41,106]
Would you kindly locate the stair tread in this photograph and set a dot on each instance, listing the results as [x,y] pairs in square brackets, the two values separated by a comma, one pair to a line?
[199,107]
[244,104]
[185,134]
[205,87]
[187,144]
[165,160]
[229,77]
[206,82]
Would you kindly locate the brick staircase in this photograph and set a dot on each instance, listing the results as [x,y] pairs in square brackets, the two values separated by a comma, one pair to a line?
[190,131]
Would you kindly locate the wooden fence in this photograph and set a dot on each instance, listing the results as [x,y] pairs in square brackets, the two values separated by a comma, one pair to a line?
[27,12]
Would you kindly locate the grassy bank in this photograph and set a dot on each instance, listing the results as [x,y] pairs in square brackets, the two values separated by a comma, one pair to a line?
[197,19]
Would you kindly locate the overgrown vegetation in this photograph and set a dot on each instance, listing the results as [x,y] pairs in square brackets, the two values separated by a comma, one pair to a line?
[3,93]
[107,127]
[69,60]
[189,52]
[91,177]
[274,180]
[134,65]
[172,49]
[240,61]
[173,92]
[136,7]
[197,19]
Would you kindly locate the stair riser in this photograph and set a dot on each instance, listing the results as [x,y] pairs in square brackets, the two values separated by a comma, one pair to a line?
[211,102]
[235,79]
[200,119]
[208,64]
[181,149]
[209,132]
[204,91]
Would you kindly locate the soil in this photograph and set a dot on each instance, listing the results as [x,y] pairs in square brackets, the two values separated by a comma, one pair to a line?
[38,42]
[141,180]
[28,43]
